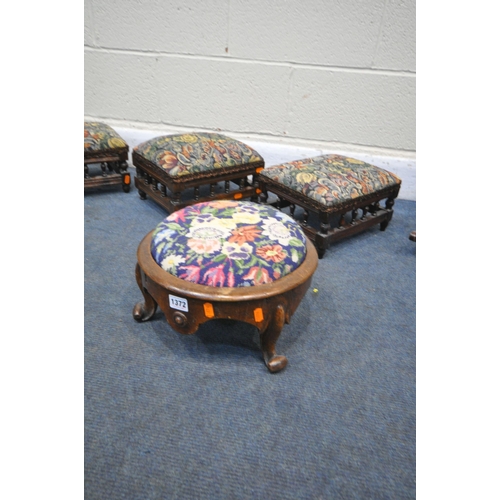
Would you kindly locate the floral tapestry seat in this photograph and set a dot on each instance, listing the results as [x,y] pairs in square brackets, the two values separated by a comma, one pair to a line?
[226,259]
[183,169]
[336,196]
[105,157]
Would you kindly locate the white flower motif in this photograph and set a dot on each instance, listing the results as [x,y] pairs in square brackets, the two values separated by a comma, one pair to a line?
[225,224]
[285,217]
[246,217]
[172,261]
[209,231]
[276,230]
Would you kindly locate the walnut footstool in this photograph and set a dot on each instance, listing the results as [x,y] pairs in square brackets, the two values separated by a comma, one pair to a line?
[343,195]
[103,145]
[226,259]
[184,169]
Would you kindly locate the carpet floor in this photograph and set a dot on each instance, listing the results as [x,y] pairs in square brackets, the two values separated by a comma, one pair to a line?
[200,416]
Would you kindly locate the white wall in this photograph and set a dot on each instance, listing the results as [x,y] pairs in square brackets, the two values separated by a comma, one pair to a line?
[318,74]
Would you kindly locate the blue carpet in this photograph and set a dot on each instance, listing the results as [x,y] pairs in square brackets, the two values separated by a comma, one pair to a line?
[169,416]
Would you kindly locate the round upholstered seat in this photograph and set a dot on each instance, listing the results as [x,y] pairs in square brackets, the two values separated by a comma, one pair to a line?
[228,244]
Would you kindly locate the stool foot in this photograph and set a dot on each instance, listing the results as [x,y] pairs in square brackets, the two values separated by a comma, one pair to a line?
[143,311]
[268,339]
[276,363]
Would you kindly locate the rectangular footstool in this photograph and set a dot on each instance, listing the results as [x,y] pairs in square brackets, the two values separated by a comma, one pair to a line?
[341,194]
[102,145]
[180,170]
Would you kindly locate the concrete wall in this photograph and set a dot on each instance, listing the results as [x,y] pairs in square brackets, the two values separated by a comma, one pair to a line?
[319,73]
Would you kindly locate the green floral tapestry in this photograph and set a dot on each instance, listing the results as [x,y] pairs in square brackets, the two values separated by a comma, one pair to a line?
[200,152]
[331,179]
[99,136]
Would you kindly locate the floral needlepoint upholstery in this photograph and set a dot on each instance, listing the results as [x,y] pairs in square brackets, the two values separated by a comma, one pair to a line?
[186,154]
[99,136]
[228,243]
[331,179]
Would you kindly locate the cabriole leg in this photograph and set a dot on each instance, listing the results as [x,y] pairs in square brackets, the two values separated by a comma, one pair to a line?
[143,310]
[268,339]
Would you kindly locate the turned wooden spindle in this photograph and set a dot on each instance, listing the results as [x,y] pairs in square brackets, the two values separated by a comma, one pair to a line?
[354,215]
[324,226]
[305,218]
[176,198]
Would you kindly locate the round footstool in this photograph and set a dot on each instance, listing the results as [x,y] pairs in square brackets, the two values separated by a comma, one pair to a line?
[226,259]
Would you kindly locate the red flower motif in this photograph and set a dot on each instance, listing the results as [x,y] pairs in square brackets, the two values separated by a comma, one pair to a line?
[258,275]
[246,233]
[168,161]
[230,279]
[272,252]
[215,276]
[187,150]
[178,215]
[192,274]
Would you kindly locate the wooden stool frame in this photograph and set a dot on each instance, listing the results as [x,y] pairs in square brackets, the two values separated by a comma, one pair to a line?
[332,220]
[114,168]
[268,307]
[166,190]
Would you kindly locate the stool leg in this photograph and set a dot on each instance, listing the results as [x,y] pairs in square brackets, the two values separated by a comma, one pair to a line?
[388,205]
[268,339]
[143,310]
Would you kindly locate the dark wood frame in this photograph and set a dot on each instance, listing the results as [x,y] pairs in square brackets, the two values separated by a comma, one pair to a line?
[166,190]
[114,168]
[268,307]
[332,220]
